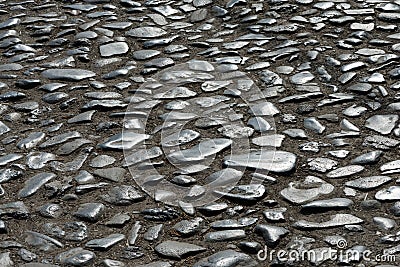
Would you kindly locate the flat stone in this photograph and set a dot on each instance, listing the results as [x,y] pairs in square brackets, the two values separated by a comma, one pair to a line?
[123,195]
[31,141]
[388,194]
[271,234]
[146,32]
[34,183]
[200,151]
[311,188]
[227,258]
[226,235]
[275,161]
[368,158]
[106,242]
[16,210]
[90,211]
[72,75]
[340,219]
[383,124]
[76,257]
[345,171]
[368,183]
[273,140]
[126,140]
[112,49]
[178,250]
[327,204]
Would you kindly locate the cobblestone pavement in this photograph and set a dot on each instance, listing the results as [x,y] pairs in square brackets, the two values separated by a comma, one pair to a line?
[199,133]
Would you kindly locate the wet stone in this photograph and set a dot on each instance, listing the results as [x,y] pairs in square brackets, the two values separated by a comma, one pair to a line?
[5,259]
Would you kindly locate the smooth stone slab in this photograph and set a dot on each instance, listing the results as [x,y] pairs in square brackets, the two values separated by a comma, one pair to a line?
[17,210]
[345,171]
[112,49]
[90,211]
[178,250]
[114,174]
[244,193]
[59,139]
[82,117]
[106,242]
[302,77]
[227,258]
[328,204]
[10,23]
[142,155]
[390,167]
[34,183]
[226,235]
[125,140]
[122,195]
[72,75]
[6,159]
[388,194]
[368,158]
[368,183]
[311,188]
[201,151]
[76,257]
[337,220]
[31,140]
[264,109]
[273,140]
[271,234]
[275,161]
[146,32]
[101,161]
[180,138]
[3,128]
[383,124]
